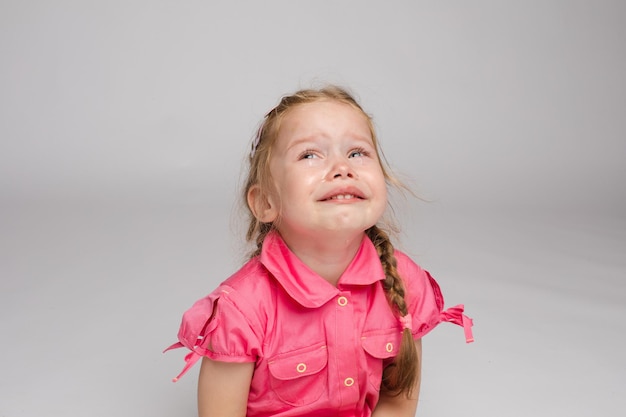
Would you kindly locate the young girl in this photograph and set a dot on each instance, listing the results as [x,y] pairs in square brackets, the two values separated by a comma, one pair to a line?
[326,317]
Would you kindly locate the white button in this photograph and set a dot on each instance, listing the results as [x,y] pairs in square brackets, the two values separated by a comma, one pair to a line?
[342,301]
[301,367]
[348,382]
[389,347]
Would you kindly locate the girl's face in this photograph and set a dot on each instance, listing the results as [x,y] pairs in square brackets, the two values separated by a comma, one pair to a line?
[326,172]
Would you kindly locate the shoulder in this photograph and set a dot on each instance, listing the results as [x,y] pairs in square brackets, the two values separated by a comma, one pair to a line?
[244,297]
[410,272]
[242,300]
[421,288]
[251,278]
[250,288]
[425,300]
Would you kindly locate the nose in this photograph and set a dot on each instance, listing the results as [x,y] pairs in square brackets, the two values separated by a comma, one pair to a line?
[341,168]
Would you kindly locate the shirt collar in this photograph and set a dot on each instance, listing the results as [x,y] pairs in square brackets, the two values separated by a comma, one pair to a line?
[307,287]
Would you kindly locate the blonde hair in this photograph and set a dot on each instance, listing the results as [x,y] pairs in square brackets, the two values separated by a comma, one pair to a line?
[401,376]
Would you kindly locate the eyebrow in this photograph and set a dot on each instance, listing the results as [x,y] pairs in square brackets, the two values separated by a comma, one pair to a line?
[300,141]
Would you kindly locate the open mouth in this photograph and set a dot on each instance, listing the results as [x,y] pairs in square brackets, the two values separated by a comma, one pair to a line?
[343,197]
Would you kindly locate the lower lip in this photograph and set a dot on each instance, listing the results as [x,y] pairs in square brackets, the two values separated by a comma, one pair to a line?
[343,200]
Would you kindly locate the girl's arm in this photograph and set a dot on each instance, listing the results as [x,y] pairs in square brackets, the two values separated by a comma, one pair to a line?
[400,405]
[223,388]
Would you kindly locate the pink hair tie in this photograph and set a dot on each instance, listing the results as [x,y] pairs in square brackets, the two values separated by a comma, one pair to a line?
[407,322]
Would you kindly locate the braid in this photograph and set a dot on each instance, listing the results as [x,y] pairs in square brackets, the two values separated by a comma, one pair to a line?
[400,376]
[260,230]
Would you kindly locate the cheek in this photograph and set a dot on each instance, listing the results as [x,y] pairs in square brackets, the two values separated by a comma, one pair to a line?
[382,193]
[378,182]
[288,192]
[301,181]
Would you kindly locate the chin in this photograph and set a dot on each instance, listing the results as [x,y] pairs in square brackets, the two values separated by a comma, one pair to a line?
[348,228]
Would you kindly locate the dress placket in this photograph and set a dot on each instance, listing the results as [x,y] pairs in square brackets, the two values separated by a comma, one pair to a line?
[345,338]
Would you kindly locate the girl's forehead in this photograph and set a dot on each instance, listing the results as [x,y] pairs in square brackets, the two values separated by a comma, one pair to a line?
[321,120]
[324,105]
[323,113]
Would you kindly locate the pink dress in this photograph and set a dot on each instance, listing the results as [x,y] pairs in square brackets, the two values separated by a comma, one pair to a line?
[318,350]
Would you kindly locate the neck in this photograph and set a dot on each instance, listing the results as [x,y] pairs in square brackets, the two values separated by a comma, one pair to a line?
[327,256]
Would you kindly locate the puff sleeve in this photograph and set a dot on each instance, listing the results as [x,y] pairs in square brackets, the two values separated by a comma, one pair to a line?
[217,327]
[425,301]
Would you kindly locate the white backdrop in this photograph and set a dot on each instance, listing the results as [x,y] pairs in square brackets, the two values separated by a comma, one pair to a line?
[123,125]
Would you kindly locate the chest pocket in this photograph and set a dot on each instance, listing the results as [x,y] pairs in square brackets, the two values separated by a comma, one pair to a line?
[300,377]
[380,346]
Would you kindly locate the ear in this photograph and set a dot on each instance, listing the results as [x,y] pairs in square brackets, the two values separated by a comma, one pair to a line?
[261,205]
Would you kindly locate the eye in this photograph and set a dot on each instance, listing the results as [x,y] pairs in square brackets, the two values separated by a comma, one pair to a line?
[358,152]
[308,154]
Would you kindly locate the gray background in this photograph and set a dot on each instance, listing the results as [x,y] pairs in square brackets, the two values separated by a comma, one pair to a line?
[123,125]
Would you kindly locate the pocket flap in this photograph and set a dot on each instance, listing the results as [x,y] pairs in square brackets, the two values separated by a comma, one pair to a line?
[299,363]
[382,344]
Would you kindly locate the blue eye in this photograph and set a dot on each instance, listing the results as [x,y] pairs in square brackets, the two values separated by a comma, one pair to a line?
[357,152]
[307,155]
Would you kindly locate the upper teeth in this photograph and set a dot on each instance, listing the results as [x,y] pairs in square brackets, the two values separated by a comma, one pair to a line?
[341,196]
